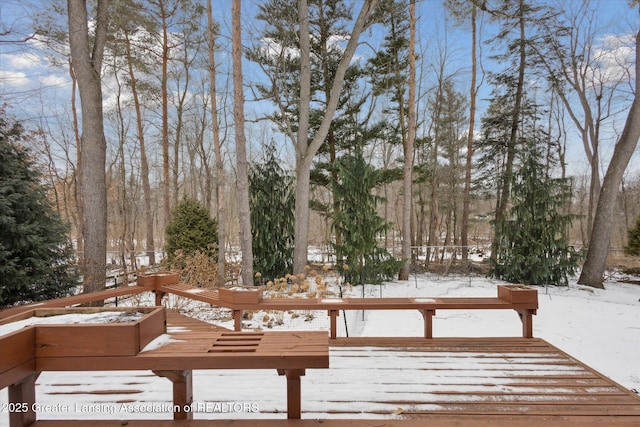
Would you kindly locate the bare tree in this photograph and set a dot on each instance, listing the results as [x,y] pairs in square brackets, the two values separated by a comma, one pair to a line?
[460,9]
[144,162]
[165,11]
[188,47]
[86,59]
[593,269]
[571,62]
[407,173]
[220,179]
[241,151]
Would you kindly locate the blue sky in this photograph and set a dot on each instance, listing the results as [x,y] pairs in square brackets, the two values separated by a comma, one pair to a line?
[39,93]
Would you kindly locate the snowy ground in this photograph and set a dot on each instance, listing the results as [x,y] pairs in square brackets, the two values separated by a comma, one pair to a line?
[598,327]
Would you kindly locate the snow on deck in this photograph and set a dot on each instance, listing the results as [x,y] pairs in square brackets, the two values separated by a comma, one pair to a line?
[512,376]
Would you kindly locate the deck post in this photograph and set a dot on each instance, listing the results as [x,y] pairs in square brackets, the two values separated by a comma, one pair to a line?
[294,397]
[237,319]
[428,314]
[333,316]
[22,396]
[159,296]
[526,317]
[182,392]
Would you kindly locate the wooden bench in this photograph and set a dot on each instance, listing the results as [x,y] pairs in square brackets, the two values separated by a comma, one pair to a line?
[426,306]
[522,299]
[290,353]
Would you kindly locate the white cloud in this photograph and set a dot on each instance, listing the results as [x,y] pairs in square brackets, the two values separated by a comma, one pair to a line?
[54,80]
[614,58]
[25,61]
[273,49]
[13,78]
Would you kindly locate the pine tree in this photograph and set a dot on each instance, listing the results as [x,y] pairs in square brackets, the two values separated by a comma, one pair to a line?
[272,198]
[191,229]
[633,240]
[533,247]
[358,222]
[36,257]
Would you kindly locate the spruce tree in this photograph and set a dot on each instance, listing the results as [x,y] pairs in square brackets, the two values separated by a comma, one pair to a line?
[533,247]
[358,222]
[191,229]
[36,257]
[272,199]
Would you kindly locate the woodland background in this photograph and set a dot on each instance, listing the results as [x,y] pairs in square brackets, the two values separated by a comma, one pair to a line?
[444,105]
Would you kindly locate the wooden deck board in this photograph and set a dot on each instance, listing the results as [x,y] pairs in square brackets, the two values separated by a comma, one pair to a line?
[432,382]
[430,420]
[176,320]
[502,377]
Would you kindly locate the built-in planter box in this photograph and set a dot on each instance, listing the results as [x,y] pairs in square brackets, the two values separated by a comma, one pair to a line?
[17,355]
[105,331]
[517,293]
[156,280]
[241,294]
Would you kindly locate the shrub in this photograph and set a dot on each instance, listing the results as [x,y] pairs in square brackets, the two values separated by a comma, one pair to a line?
[191,229]
[633,240]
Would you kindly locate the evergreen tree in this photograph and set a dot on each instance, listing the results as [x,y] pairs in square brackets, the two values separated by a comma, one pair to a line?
[359,224]
[496,127]
[389,67]
[327,23]
[533,246]
[191,229]
[327,20]
[289,62]
[36,257]
[633,240]
[518,21]
[272,199]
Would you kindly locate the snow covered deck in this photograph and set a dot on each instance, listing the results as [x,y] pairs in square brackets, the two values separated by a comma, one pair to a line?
[370,382]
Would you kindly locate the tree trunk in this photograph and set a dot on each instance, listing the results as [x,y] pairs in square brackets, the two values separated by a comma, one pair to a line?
[144,163]
[407,173]
[432,238]
[241,152]
[78,171]
[123,209]
[166,183]
[331,139]
[303,164]
[466,200]
[220,203]
[305,151]
[593,269]
[177,140]
[86,60]
[501,208]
